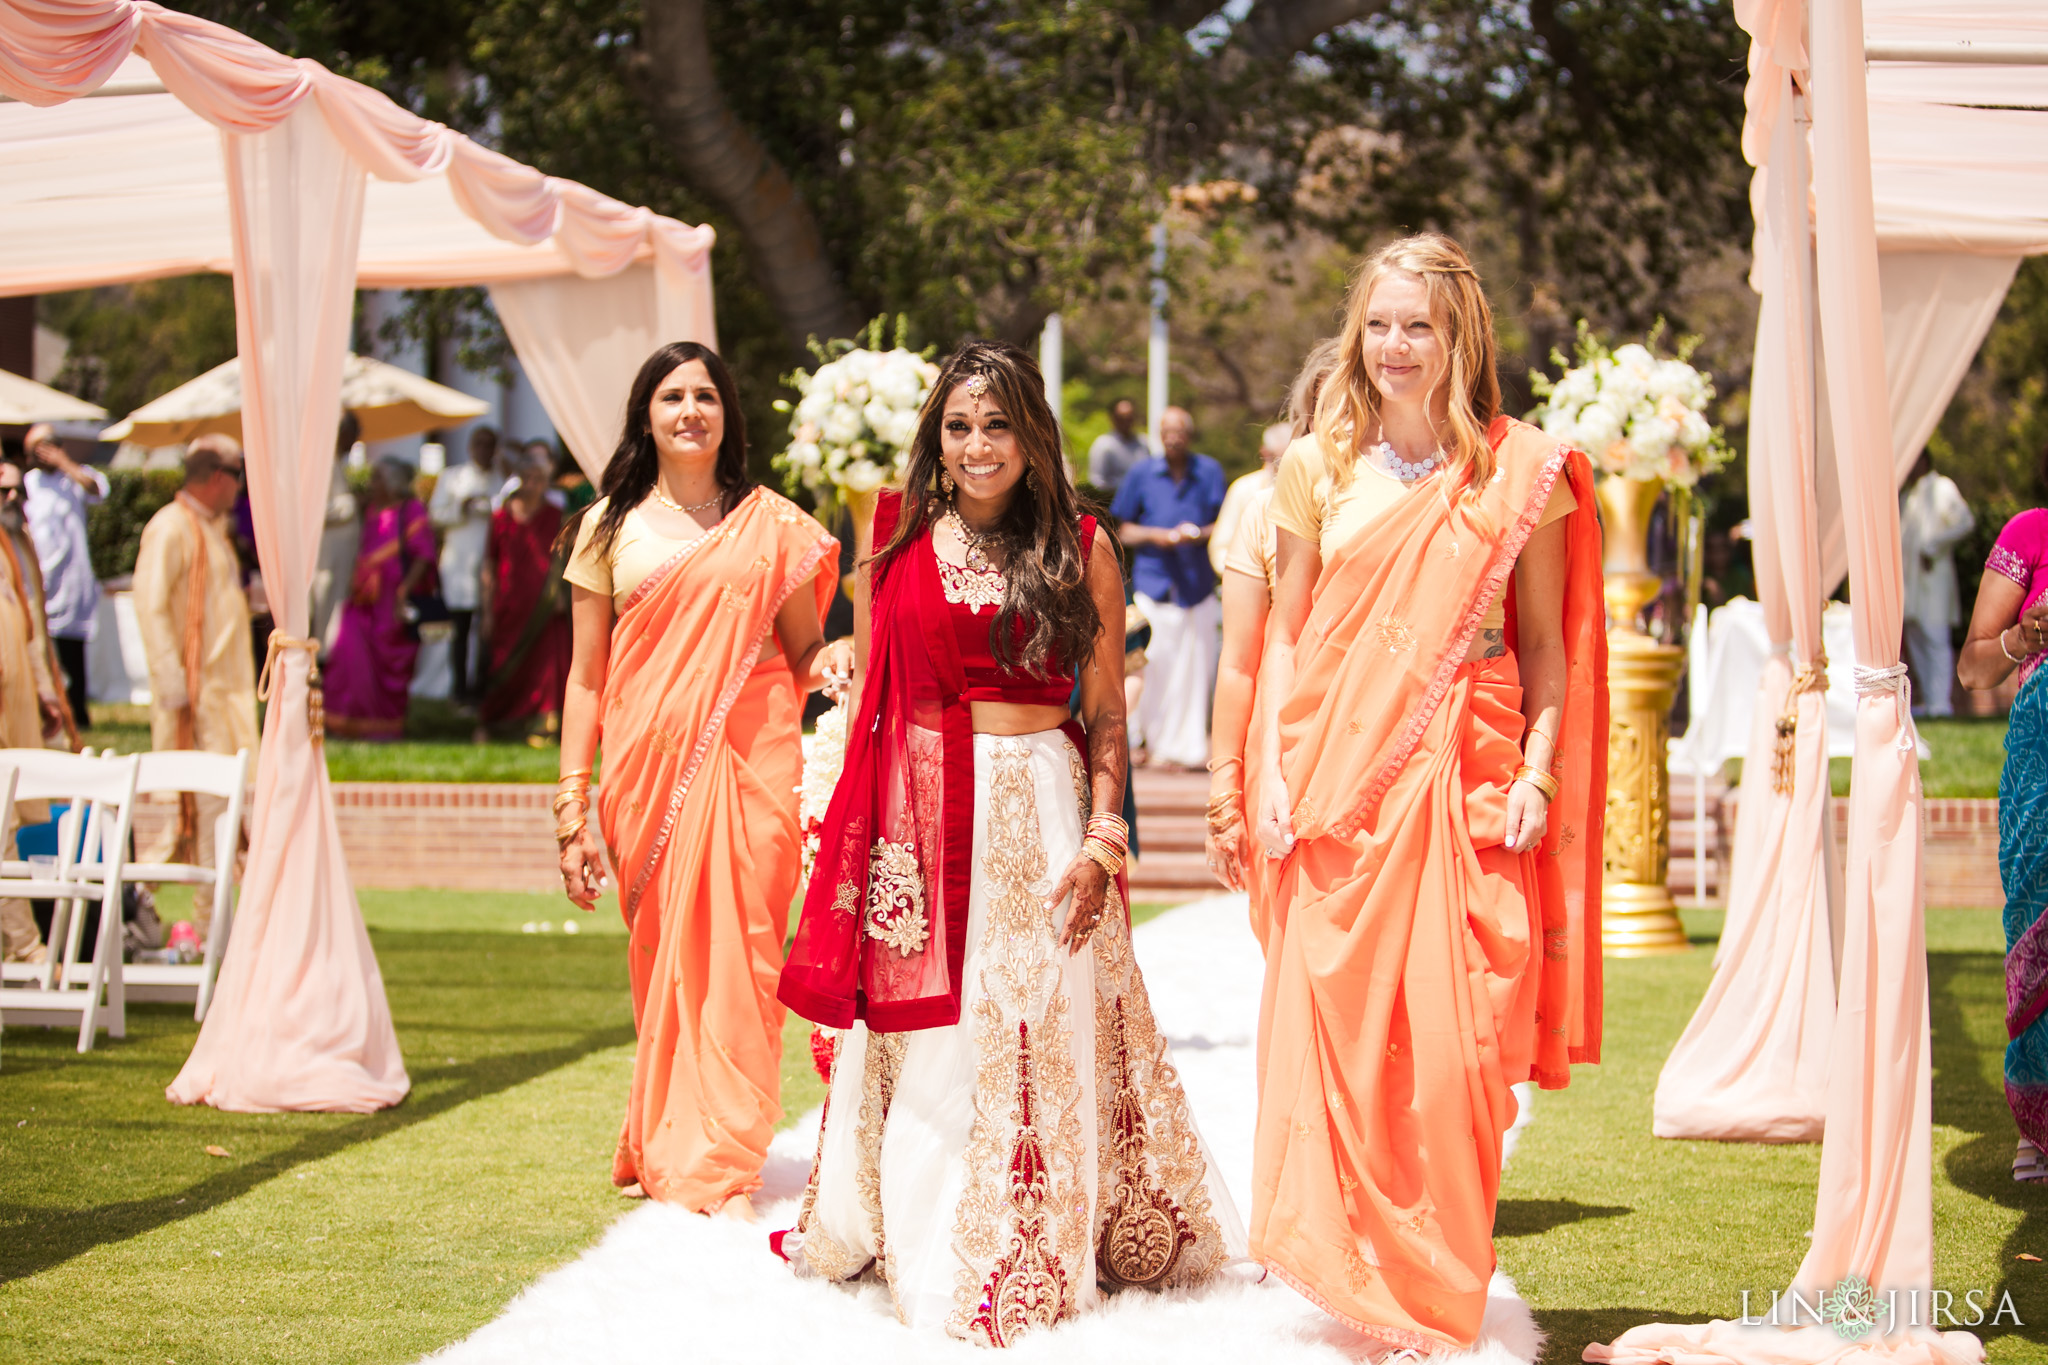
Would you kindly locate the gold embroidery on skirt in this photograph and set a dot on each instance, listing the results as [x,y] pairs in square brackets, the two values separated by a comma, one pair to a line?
[1021,1227]
[820,1250]
[1150,1172]
[884,1064]
[1078,770]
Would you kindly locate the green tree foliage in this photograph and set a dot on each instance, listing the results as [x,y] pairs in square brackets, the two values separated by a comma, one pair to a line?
[134,342]
[977,165]
[1993,441]
[113,526]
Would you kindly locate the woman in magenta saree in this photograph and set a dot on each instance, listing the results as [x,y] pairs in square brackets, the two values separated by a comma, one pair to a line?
[525,609]
[369,670]
[2008,632]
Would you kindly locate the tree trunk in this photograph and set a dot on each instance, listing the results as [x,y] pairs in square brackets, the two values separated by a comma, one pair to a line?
[727,162]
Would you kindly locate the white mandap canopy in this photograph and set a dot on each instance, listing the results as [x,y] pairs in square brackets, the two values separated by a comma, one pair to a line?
[139,142]
[1901,154]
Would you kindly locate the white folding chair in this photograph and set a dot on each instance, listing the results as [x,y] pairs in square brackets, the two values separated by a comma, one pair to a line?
[173,772]
[101,796]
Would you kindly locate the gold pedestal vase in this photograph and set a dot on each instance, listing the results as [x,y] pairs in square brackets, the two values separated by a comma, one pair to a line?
[1638,916]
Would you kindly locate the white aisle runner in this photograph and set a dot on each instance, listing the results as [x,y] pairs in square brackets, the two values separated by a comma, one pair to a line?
[668,1286]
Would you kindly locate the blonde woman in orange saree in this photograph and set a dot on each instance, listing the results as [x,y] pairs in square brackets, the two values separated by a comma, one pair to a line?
[697,603]
[1433,704]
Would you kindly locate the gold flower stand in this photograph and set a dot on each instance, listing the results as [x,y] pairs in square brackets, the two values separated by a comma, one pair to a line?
[1638,916]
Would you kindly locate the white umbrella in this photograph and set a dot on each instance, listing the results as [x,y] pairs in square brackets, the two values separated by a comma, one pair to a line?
[23,401]
[388,401]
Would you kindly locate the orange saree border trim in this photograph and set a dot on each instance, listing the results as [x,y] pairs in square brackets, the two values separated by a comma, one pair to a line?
[676,560]
[805,570]
[1505,555]
[1400,1338]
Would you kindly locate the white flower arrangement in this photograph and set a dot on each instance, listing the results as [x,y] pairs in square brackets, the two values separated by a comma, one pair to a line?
[824,758]
[1634,414]
[851,427]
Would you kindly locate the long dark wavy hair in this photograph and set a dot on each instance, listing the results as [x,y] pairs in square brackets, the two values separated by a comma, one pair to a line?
[1038,536]
[635,466]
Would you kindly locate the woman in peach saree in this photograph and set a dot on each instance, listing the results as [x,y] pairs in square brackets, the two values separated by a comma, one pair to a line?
[1433,780]
[696,610]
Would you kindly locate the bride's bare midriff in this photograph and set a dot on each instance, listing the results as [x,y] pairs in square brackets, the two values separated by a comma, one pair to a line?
[1008,718]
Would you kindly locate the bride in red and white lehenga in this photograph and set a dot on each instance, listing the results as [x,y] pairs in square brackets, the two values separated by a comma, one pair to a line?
[1005,1135]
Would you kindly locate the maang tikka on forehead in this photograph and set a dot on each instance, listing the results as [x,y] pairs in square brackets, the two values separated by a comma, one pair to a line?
[977,385]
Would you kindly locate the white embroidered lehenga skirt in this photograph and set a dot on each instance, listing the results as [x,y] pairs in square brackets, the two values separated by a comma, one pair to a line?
[999,1173]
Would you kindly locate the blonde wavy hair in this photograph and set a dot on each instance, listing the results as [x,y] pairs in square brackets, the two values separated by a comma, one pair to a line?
[1349,404]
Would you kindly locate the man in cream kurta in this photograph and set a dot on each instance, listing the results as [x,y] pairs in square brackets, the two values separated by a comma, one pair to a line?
[202,676]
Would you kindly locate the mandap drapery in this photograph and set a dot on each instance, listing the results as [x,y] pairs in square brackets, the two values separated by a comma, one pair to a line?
[1923,198]
[305,185]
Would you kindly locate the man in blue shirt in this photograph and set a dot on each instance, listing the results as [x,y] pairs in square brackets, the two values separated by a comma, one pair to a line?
[59,492]
[1167,506]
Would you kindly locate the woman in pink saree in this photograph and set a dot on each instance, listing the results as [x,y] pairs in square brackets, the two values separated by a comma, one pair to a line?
[696,607]
[369,670]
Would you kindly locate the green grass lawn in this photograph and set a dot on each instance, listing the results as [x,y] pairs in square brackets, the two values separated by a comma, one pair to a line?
[437,748]
[1965,757]
[378,1238]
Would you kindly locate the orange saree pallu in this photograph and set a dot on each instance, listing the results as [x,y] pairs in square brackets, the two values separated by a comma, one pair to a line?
[702,745]
[1415,969]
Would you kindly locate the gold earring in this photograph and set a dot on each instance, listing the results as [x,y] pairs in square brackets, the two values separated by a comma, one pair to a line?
[945,484]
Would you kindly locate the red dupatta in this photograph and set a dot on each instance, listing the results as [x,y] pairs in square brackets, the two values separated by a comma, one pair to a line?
[884,927]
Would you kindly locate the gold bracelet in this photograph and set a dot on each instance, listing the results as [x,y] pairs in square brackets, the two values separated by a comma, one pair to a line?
[1104,857]
[1217,765]
[569,830]
[1541,781]
[567,778]
[581,798]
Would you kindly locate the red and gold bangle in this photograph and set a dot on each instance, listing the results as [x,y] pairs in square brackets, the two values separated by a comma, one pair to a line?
[1102,855]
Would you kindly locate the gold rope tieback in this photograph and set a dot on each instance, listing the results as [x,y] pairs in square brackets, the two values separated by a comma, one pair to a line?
[316,703]
[1806,678]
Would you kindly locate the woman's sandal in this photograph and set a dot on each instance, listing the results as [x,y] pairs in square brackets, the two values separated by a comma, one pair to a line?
[2029,1163]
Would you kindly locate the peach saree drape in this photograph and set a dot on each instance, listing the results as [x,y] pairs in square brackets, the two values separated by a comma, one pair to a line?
[702,746]
[1416,970]
[1752,1063]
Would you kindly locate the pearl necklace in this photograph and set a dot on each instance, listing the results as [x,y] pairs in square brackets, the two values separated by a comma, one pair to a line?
[672,505]
[1404,470]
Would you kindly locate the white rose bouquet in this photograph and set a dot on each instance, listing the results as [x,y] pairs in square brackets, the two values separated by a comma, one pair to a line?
[851,428]
[824,758]
[1634,414]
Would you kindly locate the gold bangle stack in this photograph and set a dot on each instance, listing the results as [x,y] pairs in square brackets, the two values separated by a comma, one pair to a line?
[1106,841]
[572,790]
[1225,811]
[1540,780]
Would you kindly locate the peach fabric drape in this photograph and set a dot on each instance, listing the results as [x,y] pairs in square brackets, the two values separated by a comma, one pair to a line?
[583,278]
[1874,1209]
[299,1019]
[703,753]
[1752,1063]
[55,50]
[581,340]
[1416,970]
